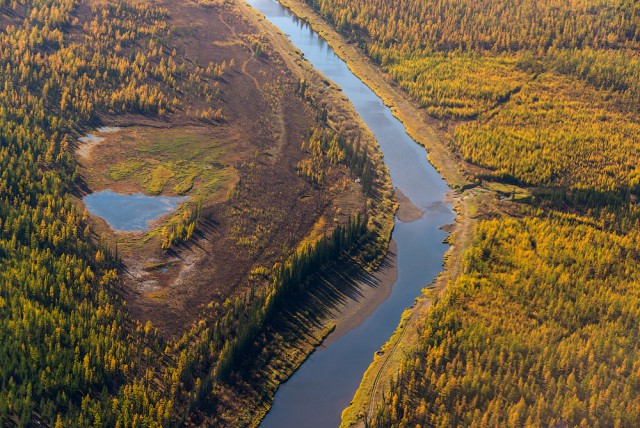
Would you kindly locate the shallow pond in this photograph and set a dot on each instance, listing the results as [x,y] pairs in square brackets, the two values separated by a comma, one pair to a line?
[90,141]
[130,213]
[109,129]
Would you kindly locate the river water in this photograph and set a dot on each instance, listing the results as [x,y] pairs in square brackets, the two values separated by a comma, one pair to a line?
[324,385]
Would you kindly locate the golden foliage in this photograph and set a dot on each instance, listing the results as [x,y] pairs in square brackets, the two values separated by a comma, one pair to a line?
[542,328]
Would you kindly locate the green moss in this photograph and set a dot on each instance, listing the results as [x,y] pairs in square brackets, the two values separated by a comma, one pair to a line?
[159,177]
[125,169]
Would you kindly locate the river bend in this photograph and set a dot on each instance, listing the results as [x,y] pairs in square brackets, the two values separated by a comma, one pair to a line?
[324,385]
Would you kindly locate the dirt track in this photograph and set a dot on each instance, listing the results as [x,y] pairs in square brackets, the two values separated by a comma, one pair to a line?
[268,208]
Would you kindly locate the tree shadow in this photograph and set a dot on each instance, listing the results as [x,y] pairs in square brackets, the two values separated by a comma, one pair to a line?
[321,298]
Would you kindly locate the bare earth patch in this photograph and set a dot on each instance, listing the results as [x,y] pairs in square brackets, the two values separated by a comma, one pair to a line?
[241,171]
[407,211]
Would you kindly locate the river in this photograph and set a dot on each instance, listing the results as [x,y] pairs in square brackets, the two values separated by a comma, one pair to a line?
[323,386]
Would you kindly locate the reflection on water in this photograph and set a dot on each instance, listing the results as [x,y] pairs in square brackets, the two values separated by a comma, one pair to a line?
[109,129]
[90,138]
[318,392]
[129,213]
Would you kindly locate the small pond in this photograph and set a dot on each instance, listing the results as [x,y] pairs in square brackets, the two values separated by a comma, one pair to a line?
[130,213]
[109,129]
[90,139]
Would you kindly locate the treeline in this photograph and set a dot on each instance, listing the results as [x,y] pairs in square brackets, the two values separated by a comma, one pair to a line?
[329,148]
[288,281]
[69,355]
[541,329]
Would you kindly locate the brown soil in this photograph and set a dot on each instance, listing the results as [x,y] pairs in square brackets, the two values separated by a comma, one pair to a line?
[265,206]
[407,211]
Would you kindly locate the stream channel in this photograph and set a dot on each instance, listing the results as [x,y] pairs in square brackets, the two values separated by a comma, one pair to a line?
[323,386]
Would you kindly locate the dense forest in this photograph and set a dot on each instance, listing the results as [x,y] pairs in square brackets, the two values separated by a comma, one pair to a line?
[556,83]
[67,355]
[70,353]
[541,327]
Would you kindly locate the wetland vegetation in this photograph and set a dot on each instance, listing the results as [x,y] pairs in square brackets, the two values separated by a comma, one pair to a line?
[154,328]
[529,109]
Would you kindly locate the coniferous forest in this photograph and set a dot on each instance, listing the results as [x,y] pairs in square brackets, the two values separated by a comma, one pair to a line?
[71,353]
[538,99]
[540,329]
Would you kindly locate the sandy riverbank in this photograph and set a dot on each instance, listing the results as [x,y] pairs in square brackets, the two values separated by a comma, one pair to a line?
[407,211]
[372,293]
[416,123]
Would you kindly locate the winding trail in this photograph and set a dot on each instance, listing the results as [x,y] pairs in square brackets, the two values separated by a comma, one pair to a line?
[282,129]
[387,358]
[244,64]
[460,240]
[229,27]
[249,75]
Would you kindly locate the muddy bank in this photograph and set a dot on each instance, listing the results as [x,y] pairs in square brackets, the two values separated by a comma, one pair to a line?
[407,211]
[372,293]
